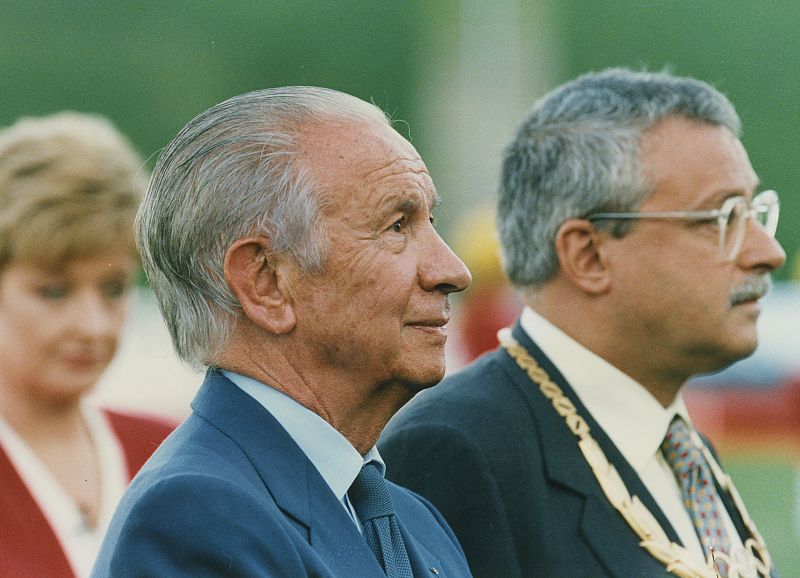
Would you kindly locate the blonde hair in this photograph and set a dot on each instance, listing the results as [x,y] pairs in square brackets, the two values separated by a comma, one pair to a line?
[70,185]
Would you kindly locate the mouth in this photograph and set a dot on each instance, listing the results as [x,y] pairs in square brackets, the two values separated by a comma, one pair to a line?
[84,358]
[436,326]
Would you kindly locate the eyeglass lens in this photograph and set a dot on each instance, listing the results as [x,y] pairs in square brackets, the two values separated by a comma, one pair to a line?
[733,227]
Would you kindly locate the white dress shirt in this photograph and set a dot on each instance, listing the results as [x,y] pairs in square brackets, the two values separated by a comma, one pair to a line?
[335,458]
[631,417]
[80,542]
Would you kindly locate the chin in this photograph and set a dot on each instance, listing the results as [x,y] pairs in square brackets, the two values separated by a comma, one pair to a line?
[421,380]
[76,383]
[733,353]
[746,345]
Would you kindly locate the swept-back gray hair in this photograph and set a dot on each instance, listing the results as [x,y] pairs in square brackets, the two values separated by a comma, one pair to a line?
[577,153]
[231,172]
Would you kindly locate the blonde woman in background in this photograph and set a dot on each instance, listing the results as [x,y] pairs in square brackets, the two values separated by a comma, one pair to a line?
[70,185]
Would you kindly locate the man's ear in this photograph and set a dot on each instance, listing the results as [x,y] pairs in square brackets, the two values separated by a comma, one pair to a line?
[581,256]
[260,284]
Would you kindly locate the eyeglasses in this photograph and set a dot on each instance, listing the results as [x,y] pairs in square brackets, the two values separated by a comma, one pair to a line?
[731,219]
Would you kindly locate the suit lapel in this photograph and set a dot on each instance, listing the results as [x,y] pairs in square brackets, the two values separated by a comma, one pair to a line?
[271,450]
[288,475]
[565,465]
[422,560]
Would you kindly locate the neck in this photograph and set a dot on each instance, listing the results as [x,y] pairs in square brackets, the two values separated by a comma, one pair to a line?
[362,424]
[589,322]
[358,411]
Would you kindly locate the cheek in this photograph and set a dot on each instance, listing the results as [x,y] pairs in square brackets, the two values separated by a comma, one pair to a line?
[118,315]
[371,284]
[26,328]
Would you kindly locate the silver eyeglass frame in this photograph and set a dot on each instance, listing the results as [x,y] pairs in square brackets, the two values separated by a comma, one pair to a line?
[763,209]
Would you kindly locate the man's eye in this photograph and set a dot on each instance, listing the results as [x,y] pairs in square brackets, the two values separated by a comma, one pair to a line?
[399,225]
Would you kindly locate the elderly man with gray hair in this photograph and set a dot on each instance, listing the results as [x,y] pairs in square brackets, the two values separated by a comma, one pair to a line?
[288,236]
[631,223]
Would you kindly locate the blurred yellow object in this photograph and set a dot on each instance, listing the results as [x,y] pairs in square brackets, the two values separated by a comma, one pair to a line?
[794,274]
[475,242]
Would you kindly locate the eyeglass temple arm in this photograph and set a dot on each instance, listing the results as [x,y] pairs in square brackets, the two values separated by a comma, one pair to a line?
[713,214]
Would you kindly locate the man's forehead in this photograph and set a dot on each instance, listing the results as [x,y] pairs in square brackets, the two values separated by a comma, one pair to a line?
[706,163]
[363,154]
[347,139]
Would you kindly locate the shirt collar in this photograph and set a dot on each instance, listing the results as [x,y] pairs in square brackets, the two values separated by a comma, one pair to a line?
[335,458]
[629,414]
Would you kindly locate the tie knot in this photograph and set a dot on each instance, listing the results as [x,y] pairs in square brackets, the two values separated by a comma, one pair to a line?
[679,449]
[370,495]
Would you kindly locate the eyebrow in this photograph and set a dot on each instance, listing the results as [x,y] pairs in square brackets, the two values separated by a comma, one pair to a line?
[716,201]
[404,203]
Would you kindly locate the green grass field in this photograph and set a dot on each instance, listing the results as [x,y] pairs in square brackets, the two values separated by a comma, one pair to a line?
[770,488]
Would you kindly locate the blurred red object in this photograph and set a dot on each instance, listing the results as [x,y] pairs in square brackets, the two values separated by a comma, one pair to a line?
[749,420]
[481,314]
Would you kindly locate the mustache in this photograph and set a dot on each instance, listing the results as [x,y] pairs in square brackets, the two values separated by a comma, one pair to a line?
[755,287]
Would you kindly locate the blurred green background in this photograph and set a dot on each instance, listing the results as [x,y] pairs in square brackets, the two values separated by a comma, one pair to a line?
[456,76]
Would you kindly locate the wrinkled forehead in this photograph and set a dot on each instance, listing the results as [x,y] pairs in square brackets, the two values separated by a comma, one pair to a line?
[363,156]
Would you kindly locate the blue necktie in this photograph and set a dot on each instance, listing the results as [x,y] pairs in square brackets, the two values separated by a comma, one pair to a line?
[375,510]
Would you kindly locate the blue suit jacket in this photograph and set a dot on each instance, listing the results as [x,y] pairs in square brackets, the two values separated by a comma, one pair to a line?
[231,494]
[526,503]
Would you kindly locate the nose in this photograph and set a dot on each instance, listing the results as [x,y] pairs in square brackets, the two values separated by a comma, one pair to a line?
[760,251]
[92,317]
[440,269]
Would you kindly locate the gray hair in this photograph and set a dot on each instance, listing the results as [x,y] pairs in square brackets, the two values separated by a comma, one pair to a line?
[577,153]
[232,172]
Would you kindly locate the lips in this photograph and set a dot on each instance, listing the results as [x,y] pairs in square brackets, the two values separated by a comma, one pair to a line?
[84,357]
[83,360]
[430,322]
[432,326]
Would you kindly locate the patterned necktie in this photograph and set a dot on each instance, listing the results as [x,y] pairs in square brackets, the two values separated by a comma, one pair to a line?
[373,504]
[699,492]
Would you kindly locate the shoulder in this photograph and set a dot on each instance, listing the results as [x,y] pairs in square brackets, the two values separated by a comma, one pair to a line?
[481,397]
[461,430]
[142,539]
[193,494]
[200,507]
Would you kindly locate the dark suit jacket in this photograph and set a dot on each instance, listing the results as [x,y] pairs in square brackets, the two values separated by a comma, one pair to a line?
[488,449]
[231,494]
[28,545]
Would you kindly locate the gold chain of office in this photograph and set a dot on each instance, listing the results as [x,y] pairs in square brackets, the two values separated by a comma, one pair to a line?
[677,559]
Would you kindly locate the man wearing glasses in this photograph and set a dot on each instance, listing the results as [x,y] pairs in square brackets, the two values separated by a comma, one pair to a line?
[631,223]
